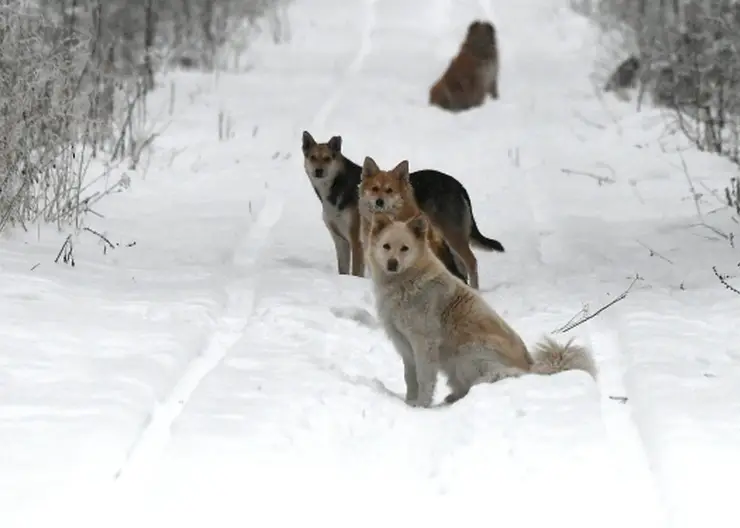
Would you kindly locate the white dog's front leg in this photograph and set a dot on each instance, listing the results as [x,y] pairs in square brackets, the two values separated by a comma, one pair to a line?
[403,348]
[426,372]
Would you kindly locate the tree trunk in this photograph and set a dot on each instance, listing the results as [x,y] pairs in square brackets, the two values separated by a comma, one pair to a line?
[150,31]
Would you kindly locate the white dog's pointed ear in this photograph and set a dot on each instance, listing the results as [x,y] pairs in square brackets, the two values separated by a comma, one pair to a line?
[402,170]
[418,226]
[369,167]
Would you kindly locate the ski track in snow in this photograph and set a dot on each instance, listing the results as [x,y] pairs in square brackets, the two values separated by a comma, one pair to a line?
[234,320]
[228,330]
[354,67]
[626,439]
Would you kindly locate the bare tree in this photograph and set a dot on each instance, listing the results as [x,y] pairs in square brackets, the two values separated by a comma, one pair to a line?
[689,62]
[74,75]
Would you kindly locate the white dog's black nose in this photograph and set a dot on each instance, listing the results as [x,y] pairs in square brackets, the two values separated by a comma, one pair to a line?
[379,202]
[392,264]
[318,173]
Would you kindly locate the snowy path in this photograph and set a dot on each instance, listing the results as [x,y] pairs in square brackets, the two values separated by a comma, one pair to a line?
[220,372]
[231,326]
[228,330]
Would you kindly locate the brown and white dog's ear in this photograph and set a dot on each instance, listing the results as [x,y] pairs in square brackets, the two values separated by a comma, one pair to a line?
[307,142]
[418,226]
[335,144]
[379,222]
[369,167]
[473,26]
[489,28]
[402,170]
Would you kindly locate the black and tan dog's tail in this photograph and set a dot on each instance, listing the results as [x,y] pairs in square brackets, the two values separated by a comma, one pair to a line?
[477,238]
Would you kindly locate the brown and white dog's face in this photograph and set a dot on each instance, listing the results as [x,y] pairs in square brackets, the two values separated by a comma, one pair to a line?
[384,191]
[396,246]
[322,161]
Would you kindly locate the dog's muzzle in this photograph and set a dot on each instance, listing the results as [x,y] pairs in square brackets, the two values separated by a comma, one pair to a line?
[379,203]
[392,265]
[318,173]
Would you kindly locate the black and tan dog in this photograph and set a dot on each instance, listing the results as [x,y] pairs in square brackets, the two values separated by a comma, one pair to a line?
[336,181]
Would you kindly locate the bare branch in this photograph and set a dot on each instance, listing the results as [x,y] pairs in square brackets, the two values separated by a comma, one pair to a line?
[654,253]
[723,280]
[66,252]
[101,237]
[599,179]
[577,321]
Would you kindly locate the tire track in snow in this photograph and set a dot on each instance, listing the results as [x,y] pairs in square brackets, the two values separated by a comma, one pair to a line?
[235,317]
[354,67]
[626,440]
[324,111]
[229,328]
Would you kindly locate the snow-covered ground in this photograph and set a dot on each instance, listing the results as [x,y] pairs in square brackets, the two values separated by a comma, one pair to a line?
[219,373]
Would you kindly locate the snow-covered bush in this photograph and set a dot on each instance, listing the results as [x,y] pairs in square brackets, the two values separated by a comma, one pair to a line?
[191,33]
[73,77]
[688,52]
[43,100]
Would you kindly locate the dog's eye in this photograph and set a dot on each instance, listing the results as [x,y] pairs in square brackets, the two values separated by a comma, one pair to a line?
[388,190]
[376,189]
[387,247]
[326,160]
[314,159]
[404,249]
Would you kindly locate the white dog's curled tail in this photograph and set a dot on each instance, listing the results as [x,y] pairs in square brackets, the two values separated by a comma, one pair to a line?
[550,357]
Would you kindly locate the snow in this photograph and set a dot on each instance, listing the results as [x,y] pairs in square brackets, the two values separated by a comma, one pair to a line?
[220,372]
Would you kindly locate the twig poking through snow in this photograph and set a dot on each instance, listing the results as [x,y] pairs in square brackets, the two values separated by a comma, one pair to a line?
[654,253]
[66,252]
[599,179]
[513,154]
[102,237]
[588,121]
[696,197]
[582,313]
[575,321]
[723,280]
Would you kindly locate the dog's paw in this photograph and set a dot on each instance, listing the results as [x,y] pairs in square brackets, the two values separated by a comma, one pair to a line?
[416,402]
[451,398]
[454,397]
